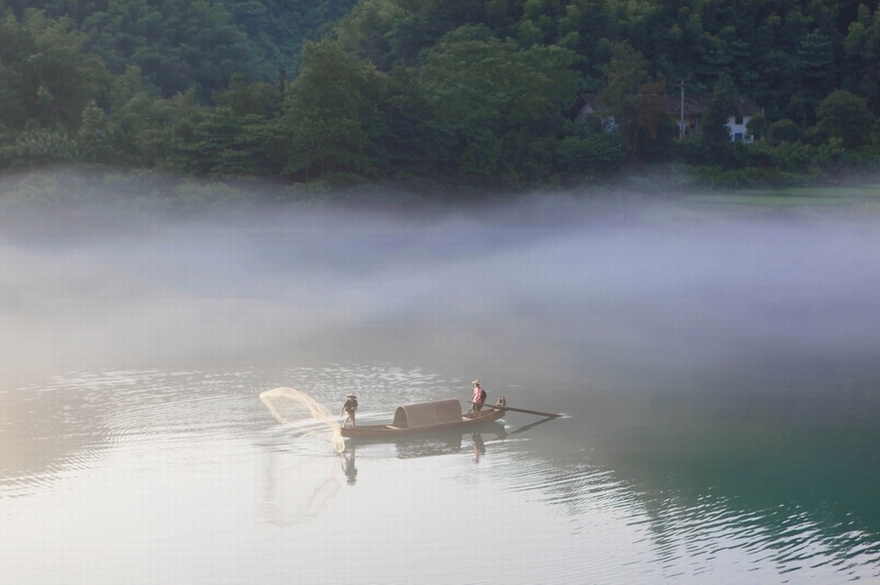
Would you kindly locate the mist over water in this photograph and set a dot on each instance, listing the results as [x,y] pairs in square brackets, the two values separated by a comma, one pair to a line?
[718,366]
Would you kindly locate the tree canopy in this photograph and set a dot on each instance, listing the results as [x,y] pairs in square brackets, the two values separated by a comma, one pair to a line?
[474,93]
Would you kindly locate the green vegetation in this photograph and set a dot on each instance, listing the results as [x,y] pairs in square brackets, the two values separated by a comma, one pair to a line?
[473,96]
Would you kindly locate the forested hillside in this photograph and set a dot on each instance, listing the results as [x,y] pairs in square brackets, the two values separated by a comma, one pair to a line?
[425,92]
[178,44]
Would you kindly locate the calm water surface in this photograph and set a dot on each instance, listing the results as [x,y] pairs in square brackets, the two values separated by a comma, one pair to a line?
[718,374]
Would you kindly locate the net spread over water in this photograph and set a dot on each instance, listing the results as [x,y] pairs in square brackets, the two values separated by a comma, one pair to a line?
[300,411]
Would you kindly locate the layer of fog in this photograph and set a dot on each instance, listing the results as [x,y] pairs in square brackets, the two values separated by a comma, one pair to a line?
[543,291]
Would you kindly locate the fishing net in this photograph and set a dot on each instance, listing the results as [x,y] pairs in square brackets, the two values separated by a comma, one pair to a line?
[302,412]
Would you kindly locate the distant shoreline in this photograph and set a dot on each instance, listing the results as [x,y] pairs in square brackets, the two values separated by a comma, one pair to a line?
[75,190]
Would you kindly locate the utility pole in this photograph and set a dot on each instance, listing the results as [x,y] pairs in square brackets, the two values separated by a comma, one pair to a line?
[681,120]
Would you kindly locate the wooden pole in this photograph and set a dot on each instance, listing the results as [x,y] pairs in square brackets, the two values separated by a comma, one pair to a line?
[681,120]
[497,407]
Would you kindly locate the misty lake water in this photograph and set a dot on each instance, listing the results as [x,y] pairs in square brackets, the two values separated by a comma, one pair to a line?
[718,372]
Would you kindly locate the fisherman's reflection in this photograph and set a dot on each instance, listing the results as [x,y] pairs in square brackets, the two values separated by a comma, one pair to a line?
[479,446]
[349,468]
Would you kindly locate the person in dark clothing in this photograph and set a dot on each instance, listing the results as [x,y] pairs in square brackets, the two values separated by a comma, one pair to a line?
[348,410]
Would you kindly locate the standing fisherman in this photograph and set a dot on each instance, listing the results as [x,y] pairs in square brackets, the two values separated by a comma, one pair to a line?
[478,398]
[348,410]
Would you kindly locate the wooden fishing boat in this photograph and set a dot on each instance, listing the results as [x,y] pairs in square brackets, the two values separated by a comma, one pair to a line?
[426,417]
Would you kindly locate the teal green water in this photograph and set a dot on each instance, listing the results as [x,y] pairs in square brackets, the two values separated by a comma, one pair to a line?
[718,377]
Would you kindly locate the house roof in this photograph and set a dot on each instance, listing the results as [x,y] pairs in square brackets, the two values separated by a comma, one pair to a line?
[747,107]
[693,106]
[586,100]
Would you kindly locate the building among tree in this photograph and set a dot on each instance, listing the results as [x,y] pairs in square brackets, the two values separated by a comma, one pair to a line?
[686,113]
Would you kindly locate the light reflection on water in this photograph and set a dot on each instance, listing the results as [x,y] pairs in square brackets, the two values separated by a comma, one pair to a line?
[719,382]
[192,458]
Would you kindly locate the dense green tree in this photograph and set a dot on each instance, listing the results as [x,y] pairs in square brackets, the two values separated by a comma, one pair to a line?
[784,130]
[589,153]
[243,98]
[176,43]
[331,115]
[276,28]
[473,92]
[720,106]
[182,43]
[816,60]
[757,126]
[625,74]
[394,32]
[861,48]
[47,78]
[369,28]
[239,137]
[39,147]
[223,143]
[845,116]
[16,44]
[411,141]
[149,127]
[97,137]
[484,92]
[656,130]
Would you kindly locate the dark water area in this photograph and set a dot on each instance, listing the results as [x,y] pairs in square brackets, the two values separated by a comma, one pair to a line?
[717,373]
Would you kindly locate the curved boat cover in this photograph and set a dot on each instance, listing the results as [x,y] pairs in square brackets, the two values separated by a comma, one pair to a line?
[428,413]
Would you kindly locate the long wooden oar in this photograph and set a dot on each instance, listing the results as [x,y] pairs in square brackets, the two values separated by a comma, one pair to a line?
[496,407]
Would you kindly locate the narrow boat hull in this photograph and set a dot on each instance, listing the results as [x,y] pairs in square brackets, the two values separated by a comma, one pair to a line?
[390,431]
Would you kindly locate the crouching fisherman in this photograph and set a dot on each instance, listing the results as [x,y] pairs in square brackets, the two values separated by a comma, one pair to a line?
[348,410]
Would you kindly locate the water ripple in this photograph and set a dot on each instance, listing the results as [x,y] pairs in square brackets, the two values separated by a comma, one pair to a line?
[689,537]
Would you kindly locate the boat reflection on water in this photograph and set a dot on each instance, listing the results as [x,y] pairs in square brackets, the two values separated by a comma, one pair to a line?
[300,492]
[439,443]
[429,447]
